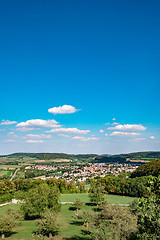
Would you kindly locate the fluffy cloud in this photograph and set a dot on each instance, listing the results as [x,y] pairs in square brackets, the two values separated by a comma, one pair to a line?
[152,137]
[106,134]
[63,109]
[84,139]
[39,123]
[38,136]
[113,119]
[121,134]
[25,129]
[129,127]
[68,130]
[115,123]
[7,122]
[101,131]
[34,141]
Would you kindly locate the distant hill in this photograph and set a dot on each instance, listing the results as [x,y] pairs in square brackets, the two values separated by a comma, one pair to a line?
[47,156]
[142,155]
[121,158]
[109,159]
[129,157]
[150,168]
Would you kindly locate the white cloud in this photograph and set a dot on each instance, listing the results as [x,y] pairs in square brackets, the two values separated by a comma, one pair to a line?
[25,129]
[152,137]
[38,136]
[10,140]
[39,123]
[129,127]
[121,134]
[10,133]
[7,122]
[84,139]
[63,109]
[115,123]
[106,134]
[101,131]
[34,141]
[113,119]
[68,130]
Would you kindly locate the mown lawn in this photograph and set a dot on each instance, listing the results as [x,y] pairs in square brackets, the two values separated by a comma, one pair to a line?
[26,229]
[85,198]
[69,228]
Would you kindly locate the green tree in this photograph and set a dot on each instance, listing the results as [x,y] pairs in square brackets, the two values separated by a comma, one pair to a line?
[111,222]
[40,199]
[78,203]
[7,223]
[96,194]
[148,210]
[117,221]
[48,224]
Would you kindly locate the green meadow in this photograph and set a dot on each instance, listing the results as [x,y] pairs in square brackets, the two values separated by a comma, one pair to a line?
[5,172]
[69,230]
[85,198]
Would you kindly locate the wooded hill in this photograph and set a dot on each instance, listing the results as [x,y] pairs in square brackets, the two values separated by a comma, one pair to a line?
[122,158]
[47,156]
[150,168]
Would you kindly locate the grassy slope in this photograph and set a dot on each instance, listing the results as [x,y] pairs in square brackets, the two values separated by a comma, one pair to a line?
[8,173]
[69,229]
[26,228]
[84,197]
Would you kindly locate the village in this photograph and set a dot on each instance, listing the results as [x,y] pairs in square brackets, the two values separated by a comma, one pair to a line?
[81,172]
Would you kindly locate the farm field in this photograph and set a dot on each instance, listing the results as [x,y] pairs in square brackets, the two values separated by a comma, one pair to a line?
[9,166]
[7,173]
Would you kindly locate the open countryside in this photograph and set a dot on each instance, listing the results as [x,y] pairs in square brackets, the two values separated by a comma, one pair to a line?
[74,195]
[79,120]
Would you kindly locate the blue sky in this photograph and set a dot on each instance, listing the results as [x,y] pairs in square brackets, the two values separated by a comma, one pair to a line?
[99,57]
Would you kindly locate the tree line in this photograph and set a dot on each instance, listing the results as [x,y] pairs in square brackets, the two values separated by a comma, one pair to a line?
[19,187]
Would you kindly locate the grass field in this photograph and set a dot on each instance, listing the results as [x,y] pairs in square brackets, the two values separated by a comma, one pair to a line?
[5,172]
[69,230]
[85,198]
[26,229]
